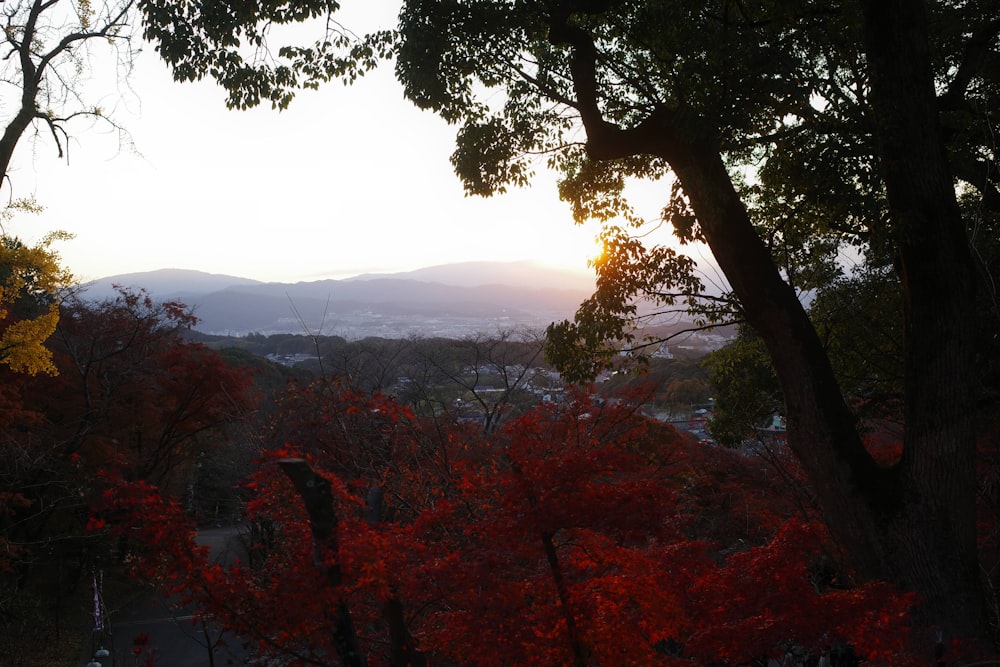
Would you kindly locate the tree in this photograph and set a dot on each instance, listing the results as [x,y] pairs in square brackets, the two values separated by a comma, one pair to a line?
[789,130]
[700,92]
[47,59]
[745,389]
[31,283]
[478,378]
[575,534]
[132,395]
[134,389]
[858,320]
[371,364]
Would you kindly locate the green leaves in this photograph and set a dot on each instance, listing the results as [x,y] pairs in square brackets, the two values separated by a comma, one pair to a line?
[745,389]
[606,325]
[487,160]
[232,42]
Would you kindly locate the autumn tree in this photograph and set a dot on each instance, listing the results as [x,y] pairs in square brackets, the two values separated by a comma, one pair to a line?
[135,389]
[53,50]
[365,438]
[32,281]
[131,394]
[575,534]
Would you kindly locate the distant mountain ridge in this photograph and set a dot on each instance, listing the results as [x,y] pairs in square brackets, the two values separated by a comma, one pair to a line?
[447,300]
[474,274]
[167,282]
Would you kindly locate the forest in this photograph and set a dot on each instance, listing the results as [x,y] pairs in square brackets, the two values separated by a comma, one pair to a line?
[490,501]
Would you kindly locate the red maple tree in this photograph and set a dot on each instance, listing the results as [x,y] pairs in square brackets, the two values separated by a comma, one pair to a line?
[567,537]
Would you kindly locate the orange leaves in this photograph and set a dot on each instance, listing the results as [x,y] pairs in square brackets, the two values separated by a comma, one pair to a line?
[765,598]
[556,540]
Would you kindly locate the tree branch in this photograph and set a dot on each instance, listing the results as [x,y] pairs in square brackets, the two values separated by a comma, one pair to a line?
[605,140]
[976,50]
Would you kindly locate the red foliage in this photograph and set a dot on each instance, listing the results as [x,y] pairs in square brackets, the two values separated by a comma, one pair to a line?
[131,393]
[765,598]
[566,538]
[884,441]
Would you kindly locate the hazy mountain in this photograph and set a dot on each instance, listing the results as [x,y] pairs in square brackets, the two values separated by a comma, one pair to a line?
[166,283]
[450,300]
[515,274]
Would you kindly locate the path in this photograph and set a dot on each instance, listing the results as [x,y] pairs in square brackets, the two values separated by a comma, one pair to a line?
[171,637]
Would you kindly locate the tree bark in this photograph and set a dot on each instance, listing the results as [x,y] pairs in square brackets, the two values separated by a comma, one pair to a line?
[403,650]
[576,645]
[821,428]
[934,535]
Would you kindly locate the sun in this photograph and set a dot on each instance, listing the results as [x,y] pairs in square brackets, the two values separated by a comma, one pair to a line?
[598,252]
[572,247]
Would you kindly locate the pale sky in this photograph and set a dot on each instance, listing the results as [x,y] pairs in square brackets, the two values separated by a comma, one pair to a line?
[347,181]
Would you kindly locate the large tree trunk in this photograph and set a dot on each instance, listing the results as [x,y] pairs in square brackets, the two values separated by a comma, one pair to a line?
[913,525]
[821,428]
[318,500]
[934,533]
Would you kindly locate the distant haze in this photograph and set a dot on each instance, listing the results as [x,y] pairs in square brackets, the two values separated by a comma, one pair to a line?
[447,300]
[515,274]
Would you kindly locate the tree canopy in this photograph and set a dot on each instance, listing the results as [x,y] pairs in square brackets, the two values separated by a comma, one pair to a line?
[575,534]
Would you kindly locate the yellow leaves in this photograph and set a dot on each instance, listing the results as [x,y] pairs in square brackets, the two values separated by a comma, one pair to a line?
[31,281]
[85,12]
[24,205]
[22,344]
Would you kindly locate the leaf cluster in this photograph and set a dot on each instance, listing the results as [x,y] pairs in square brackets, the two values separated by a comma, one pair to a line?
[231,42]
[32,281]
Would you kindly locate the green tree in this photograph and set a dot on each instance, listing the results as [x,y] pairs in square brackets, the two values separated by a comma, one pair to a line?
[858,319]
[789,130]
[745,389]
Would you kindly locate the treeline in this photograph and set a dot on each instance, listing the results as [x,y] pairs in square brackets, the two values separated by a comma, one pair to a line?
[463,377]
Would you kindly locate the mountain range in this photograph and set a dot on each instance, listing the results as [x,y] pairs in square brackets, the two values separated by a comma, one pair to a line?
[448,300]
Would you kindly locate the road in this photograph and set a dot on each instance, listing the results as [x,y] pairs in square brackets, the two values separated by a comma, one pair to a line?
[167,633]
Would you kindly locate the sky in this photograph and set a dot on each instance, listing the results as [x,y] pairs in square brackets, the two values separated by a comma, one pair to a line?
[348,180]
